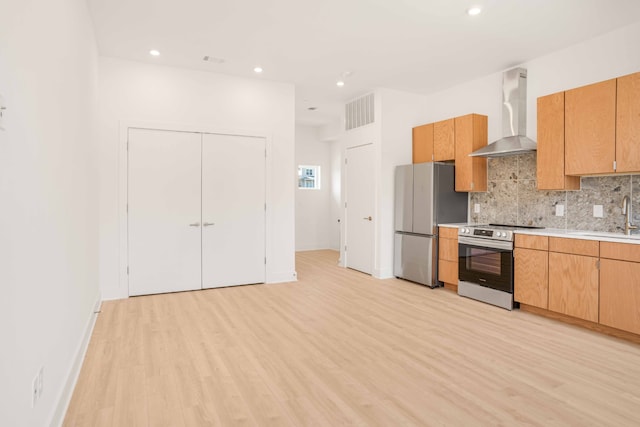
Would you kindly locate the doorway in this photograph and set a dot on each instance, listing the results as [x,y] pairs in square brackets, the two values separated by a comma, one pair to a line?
[359,197]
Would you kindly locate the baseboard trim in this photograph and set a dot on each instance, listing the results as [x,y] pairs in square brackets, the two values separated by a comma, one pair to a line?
[283,277]
[597,327]
[64,397]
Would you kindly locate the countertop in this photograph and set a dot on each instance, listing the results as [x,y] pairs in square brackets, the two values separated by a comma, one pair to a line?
[570,234]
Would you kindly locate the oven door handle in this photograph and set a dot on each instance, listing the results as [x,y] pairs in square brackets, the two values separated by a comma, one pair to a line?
[485,243]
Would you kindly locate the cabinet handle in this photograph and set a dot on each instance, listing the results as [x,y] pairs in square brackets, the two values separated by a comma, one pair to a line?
[368,218]
[206,224]
[194,224]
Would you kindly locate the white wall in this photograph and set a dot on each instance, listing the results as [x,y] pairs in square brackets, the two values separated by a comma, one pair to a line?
[605,57]
[400,112]
[48,203]
[133,91]
[313,207]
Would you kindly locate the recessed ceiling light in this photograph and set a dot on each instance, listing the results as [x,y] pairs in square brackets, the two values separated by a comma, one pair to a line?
[258,70]
[340,83]
[154,52]
[473,11]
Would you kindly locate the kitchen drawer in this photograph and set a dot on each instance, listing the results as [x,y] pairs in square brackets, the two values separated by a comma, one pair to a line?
[621,251]
[532,242]
[574,246]
[448,232]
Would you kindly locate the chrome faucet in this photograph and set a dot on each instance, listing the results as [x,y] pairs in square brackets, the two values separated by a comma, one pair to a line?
[626,211]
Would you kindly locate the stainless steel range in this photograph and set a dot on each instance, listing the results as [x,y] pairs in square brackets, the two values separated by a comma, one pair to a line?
[485,267]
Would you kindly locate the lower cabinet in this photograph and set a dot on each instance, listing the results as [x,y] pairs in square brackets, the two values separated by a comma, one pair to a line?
[531,270]
[448,257]
[620,286]
[574,285]
[620,295]
[585,279]
[531,277]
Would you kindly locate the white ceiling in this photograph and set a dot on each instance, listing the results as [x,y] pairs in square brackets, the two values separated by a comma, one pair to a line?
[413,45]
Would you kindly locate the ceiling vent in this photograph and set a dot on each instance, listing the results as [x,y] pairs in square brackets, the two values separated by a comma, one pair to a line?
[359,112]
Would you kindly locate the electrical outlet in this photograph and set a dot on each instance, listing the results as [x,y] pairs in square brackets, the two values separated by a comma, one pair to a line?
[559,210]
[598,211]
[476,208]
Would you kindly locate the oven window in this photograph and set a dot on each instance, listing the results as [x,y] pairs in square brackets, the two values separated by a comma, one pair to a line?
[482,260]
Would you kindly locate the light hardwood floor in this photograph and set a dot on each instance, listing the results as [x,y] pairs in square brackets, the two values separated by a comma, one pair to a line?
[341,348]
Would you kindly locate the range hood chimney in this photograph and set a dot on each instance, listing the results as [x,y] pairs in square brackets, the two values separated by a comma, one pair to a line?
[514,118]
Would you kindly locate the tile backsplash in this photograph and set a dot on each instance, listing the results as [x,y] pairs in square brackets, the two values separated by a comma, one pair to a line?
[512,198]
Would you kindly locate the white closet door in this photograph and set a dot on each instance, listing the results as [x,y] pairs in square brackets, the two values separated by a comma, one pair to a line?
[164,211]
[360,209]
[233,213]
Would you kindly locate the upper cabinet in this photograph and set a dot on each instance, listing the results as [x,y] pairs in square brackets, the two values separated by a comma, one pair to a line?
[551,171]
[590,129]
[455,139]
[470,135]
[628,124]
[597,125]
[423,143]
[444,140]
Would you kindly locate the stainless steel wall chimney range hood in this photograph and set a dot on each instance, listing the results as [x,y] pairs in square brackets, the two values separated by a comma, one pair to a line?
[514,118]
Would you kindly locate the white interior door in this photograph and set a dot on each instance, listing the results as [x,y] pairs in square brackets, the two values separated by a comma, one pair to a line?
[164,211]
[360,206]
[233,210]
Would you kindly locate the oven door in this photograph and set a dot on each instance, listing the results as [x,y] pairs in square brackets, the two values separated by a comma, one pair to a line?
[486,262]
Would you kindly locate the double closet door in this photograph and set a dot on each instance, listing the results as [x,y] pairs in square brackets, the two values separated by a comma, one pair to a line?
[196,211]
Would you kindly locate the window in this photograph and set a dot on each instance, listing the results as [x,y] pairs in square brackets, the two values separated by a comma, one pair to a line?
[309,177]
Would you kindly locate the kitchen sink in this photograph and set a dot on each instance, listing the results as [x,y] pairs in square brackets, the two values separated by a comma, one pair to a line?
[599,234]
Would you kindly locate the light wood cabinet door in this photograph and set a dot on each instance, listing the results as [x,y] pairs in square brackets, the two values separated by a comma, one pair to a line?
[550,168]
[531,277]
[448,256]
[444,140]
[423,143]
[590,129]
[470,135]
[574,285]
[620,295]
[628,124]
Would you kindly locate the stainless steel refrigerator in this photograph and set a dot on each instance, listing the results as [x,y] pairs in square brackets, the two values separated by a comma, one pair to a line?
[424,198]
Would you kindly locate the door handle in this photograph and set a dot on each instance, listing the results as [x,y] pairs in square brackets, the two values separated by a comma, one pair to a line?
[368,218]
[206,224]
[195,224]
